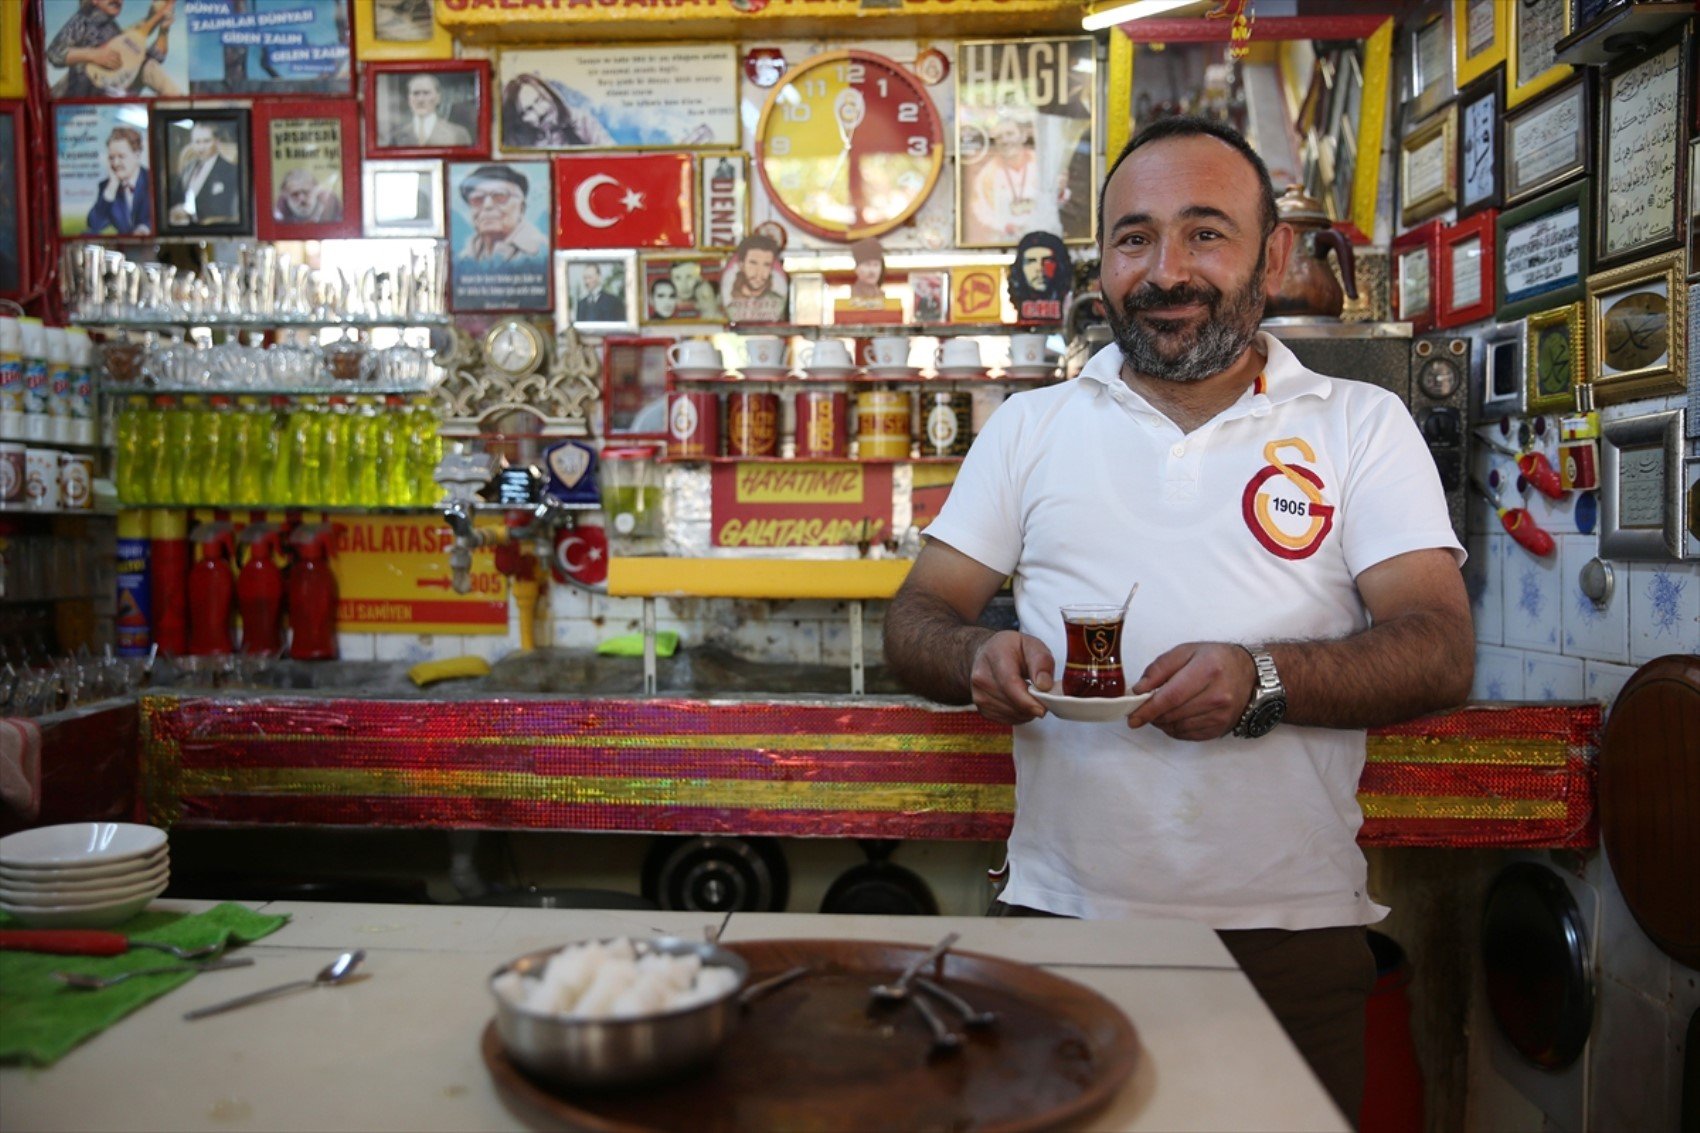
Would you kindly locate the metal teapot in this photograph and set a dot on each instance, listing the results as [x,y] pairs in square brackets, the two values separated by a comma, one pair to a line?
[1309,288]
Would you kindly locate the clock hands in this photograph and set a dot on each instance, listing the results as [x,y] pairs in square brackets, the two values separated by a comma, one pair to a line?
[848,110]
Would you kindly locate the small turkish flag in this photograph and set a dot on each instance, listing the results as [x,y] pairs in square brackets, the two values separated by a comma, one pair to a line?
[641,201]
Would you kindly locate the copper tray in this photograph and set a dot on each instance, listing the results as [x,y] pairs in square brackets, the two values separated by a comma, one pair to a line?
[818,1054]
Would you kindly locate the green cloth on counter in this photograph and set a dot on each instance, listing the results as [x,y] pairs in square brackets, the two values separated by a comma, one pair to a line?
[41,1019]
[631,644]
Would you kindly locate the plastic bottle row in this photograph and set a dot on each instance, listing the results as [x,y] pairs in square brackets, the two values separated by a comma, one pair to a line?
[340,452]
[46,383]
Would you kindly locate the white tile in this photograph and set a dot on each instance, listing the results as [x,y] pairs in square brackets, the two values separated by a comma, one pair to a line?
[356,647]
[491,647]
[1664,609]
[414,648]
[1499,674]
[1532,596]
[1632,1061]
[1484,577]
[1551,677]
[1603,681]
[1589,631]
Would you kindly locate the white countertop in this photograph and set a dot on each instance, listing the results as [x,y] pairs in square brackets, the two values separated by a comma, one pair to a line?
[399,1050]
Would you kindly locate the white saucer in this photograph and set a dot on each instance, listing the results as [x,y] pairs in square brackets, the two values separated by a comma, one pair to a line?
[894,373]
[955,372]
[698,373]
[1089,709]
[764,373]
[829,371]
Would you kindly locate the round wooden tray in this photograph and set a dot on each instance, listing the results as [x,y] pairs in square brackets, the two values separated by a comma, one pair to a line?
[819,1054]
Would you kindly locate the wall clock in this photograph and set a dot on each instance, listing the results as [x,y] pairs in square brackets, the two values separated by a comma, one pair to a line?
[849,145]
[514,347]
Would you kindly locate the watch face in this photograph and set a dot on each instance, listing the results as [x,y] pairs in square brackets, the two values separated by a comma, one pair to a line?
[1553,362]
[849,145]
[1636,331]
[1438,379]
[514,347]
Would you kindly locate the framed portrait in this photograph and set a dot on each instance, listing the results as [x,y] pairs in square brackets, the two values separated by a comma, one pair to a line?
[499,247]
[653,96]
[1554,358]
[1641,175]
[754,288]
[1638,330]
[106,172]
[307,169]
[1428,168]
[1502,372]
[276,47]
[12,84]
[438,110]
[931,291]
[402,198]
[1481,32]
[1429,81]
[723,200]
[14,219]
[1416,258]
[682,290]
[634,378]
[1466,271]
[599,291]
[1531,65]
[400,29]
[1022,165]
[1549,142]
[90,54]
[1643,505]
[1543,251]
[206,164]
[1481,107]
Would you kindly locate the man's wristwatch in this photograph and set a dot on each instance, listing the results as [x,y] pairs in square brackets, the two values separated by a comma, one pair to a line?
[1268,699]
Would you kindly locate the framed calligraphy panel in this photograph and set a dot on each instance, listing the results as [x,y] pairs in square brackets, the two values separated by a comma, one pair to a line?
[1548,142]
[1638,330]
[1466,271]
[1642,171]
[1428,173]
[1416,258]
[1532,65]
[1428,61]
[1544,248]
[1481,32]
[1642,504]
[1481,109]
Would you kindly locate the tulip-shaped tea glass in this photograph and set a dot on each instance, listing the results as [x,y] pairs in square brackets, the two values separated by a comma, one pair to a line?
[1093,667]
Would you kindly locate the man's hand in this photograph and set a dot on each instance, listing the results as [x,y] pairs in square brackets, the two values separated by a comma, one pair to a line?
[111,191]
[1201,690]
[106,58]
[1003,665]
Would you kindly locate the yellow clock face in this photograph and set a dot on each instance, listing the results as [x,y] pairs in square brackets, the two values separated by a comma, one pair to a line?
[849,145]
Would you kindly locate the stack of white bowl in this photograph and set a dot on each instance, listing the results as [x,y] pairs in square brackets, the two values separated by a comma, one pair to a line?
[82,874]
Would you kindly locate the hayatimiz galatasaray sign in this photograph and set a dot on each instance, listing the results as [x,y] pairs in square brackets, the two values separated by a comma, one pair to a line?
[448,10]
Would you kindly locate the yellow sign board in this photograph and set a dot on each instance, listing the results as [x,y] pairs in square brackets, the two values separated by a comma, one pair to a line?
[392,576]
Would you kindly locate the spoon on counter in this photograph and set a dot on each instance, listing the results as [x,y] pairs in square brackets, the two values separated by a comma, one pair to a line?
[330,975]
[898,990]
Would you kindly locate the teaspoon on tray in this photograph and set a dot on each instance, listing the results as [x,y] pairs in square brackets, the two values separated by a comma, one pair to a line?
[898,990]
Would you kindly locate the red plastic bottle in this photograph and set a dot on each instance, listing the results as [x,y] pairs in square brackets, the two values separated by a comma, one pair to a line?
[168,586]
[212,592]
[259,592]
[312,597]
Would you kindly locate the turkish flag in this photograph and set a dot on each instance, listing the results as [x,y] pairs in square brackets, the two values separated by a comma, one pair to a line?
[640,201]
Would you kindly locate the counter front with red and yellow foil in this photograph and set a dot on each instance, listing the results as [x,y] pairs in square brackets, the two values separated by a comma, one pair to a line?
[1490,775]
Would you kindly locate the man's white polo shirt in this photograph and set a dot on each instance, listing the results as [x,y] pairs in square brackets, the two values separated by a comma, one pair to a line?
[1249,529]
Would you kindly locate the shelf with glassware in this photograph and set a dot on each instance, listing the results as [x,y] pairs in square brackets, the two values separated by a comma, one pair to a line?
[880,330]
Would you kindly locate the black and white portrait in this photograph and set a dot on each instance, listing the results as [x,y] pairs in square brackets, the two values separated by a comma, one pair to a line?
[206,165]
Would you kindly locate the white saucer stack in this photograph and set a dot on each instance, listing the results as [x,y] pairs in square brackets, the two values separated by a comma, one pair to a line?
[82,874]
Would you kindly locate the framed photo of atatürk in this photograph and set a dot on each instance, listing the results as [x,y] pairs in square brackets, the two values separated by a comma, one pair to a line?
[1643,505]
[1481,109]
[307,168]
[1638,330]
[1466,271]
[1428,167]
[1544,251]
[1554,358]
[439,109]
[1549,142]
[14,221]
[1641,175]
[1416,259]
[205,161]
[598,290]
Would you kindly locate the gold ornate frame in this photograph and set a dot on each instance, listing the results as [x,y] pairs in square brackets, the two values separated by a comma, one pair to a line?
[1570,317]
[1648,381]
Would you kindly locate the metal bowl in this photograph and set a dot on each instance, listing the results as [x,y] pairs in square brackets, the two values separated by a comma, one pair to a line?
[618,1052]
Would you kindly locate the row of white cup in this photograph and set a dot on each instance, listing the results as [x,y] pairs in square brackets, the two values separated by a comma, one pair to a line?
[887,352]
[45,479]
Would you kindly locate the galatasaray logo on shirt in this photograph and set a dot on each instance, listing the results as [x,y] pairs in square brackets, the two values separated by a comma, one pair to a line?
[1283,502]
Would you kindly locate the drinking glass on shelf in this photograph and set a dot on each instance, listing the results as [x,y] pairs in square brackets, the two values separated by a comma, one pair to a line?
[293,366]
[404,367]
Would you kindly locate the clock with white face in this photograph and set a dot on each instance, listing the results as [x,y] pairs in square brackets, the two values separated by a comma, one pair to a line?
[849,145]
[514,347]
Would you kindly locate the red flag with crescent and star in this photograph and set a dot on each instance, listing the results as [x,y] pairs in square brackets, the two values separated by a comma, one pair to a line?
[618,201]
